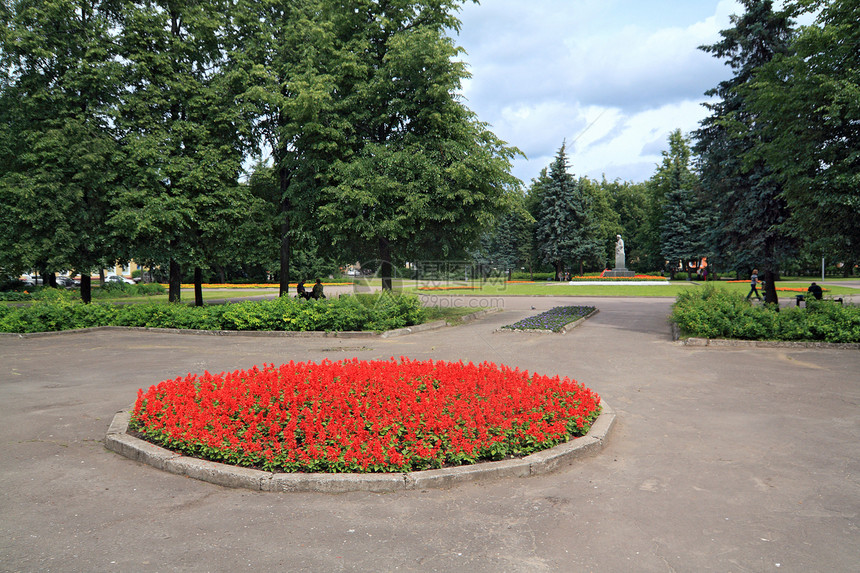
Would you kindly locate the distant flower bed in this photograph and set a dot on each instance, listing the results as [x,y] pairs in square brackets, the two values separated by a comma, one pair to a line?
[787,289]
[450,288]
[620,279]
[554,319]
[250,285]
[360,416]
[633,278]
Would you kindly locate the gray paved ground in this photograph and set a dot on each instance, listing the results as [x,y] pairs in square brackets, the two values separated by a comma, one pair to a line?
[721,460]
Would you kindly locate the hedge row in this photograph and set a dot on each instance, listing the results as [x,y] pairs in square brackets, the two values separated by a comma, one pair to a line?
[108,290]
[359,312]
[716,313]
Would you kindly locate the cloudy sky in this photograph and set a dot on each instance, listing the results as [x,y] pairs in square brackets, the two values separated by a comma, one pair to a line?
[611,77]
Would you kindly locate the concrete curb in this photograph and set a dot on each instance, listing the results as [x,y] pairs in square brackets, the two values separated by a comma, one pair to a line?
[732,343]
[245,333]
[565,329]
[119,441]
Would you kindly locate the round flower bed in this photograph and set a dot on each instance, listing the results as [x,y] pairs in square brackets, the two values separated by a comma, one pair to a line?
[360,416]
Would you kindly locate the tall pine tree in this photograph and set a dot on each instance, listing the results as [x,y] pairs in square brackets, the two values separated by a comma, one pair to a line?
[746,198]
[684,218]
[566,230]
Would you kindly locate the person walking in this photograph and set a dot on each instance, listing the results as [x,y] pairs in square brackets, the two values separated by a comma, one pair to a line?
[753,285]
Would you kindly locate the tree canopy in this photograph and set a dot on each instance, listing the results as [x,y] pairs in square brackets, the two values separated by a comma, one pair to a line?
[747,199]
[807,101]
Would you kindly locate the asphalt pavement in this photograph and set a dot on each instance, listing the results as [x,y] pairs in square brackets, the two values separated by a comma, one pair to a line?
[721,459]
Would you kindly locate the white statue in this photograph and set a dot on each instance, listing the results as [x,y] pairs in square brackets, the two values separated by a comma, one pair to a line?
[619,253]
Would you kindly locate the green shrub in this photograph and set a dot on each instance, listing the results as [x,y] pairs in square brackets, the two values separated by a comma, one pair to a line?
[369,312]
[711,312]
[56,311]
[15,296]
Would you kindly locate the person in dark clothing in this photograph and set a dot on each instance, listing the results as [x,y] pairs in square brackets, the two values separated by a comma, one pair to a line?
[815,291]
[753,284]
[317,292]
[302,291]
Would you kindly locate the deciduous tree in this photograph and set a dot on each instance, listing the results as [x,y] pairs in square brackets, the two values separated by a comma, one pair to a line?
[418,175]
[807,102]
[180,132]
[58,152]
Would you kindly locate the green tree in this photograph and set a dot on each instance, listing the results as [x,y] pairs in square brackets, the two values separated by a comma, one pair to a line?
[672,175]
[418,175]
[746,198]
[566,230]
[607,218]
[533,199]
[58,153]
[288,52]
[181,134]
[260,232]
[683,217]
[510,244]
[630,201]
[807,102]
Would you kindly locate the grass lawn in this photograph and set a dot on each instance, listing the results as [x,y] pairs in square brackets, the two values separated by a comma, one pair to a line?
[454,315]
[549,288]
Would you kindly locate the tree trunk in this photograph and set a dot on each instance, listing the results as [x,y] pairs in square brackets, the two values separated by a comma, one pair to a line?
[50,279]
[770,296]
[770,273]
[86,288]
[286,207]
[174,283]
[385,257]
[284,289]
[198,287]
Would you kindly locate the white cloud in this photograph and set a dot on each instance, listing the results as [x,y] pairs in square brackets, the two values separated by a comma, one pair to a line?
[612,77]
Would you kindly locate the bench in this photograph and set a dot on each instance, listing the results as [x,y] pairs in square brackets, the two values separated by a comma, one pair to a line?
[802,297]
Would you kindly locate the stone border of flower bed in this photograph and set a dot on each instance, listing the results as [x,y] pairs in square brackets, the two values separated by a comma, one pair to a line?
[119,441]
[432,325]
[564,330]
[737,343]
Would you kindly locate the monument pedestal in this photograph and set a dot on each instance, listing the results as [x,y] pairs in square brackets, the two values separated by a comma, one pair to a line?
[618,273]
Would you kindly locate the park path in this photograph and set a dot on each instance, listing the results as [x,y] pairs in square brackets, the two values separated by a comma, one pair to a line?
[722,460]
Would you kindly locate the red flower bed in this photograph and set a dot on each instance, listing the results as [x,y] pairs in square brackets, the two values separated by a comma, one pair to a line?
[359,416]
